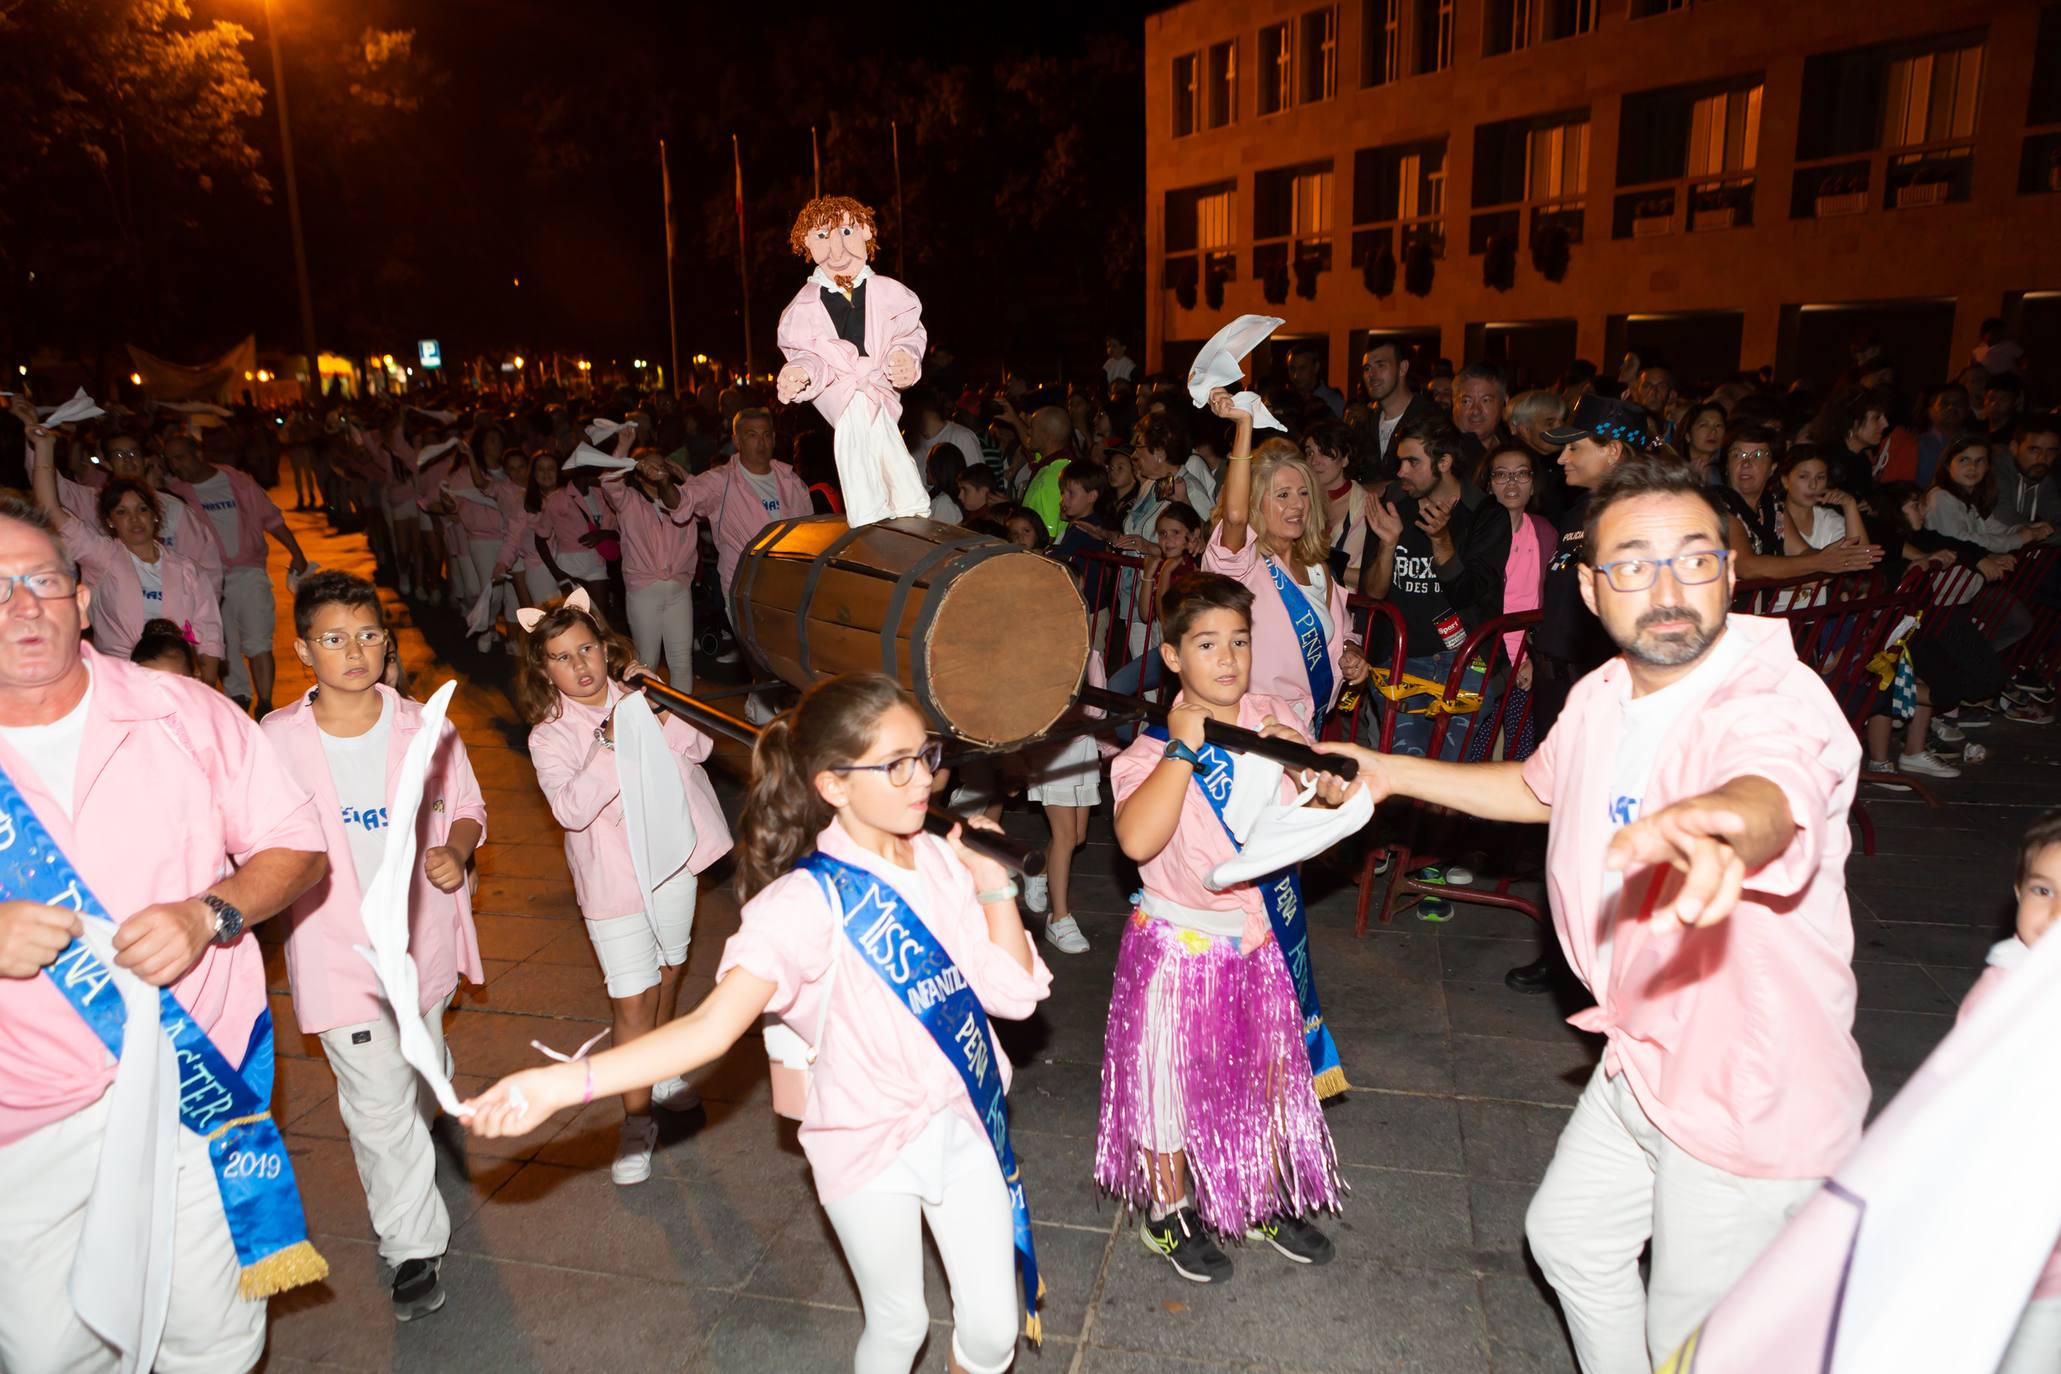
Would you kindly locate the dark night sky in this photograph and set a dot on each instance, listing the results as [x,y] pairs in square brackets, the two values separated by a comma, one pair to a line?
[428,237]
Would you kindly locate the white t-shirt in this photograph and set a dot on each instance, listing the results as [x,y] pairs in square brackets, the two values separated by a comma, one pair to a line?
[767,485]
[175,513]
[52,751]
[218,499]
[1644,725]
[1319,593]
[152,576]
[1386,426]
[1119,369]
[357,769]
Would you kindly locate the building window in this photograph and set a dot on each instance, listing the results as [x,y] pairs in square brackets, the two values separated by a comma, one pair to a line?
[2039,162]
[1685,158]
[1213,219]
[1890,127]
[1276,69]
[1199,239]
[1529,172]
[1319,55]
[1399,199]
[1435,35]
[1400,38]
[1381,42]
[1511,25]
[1222,104]
[1291,224]
[1187,95]
[1646,9]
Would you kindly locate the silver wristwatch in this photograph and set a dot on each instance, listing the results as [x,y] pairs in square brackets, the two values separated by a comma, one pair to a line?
[228,920]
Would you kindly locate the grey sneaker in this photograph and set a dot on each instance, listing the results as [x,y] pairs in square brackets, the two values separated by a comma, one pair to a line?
[633,1151]
[1927,765]
[418,1288]
[675,1094]
[1065,936]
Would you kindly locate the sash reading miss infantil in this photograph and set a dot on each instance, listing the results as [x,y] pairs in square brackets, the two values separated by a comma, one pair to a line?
[893,941]
[227,1108]
[1281,893]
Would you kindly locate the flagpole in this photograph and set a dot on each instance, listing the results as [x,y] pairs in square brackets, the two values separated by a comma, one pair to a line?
[894,132]
[743,280]
[665,181]
[816,156]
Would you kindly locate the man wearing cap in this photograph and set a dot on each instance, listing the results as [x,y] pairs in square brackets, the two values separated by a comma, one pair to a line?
[1569,641]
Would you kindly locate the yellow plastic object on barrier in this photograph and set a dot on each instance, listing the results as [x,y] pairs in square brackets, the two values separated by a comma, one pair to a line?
[1465,704]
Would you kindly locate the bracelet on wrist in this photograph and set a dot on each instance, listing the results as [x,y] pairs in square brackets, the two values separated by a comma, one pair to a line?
[1005,893]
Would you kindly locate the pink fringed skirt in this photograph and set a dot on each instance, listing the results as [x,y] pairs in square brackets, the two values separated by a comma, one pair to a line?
[1204,1054]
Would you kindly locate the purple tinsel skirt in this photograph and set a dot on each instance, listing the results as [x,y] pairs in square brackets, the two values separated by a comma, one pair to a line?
[1204,1054]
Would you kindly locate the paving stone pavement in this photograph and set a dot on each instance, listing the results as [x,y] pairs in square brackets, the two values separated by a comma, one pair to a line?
[723,1262]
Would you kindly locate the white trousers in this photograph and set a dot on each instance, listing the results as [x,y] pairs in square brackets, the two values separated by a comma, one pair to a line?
[46,1178]
[388,1115]
[662,619]
[482,553]
[947,1176]
[459,570]
[1615,1182]
[2036,1347]
[248,617]
[879,478]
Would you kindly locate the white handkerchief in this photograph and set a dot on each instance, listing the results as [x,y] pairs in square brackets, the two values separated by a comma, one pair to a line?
[294,579]
[654,797]
[587,456]
[425,456]
[194,408]
[384,908]
[1284,835]
[442,417]
[1255,785]
[482,613]
[79,407]
[606,429]
[1219,364]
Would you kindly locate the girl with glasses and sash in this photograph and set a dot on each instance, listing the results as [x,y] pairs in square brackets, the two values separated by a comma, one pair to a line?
[1270,536]
[887,950]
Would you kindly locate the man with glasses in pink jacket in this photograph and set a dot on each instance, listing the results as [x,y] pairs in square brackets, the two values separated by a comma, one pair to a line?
[1697,787]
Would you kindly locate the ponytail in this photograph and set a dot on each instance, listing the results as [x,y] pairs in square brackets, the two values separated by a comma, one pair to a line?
[833,726]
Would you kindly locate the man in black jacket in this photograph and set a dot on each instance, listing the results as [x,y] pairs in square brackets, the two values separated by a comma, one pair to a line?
[1386,370]
[1442,544]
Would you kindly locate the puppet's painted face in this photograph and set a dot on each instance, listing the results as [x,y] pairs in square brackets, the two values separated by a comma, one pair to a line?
[840,249]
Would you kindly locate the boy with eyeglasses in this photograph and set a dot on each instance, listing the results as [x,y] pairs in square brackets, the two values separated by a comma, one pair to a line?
[345,741]
[1703,775]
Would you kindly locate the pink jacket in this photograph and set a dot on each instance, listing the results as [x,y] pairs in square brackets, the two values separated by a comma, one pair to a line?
[658,544]
[482,520]
[1199,843]
[562,522]
[1736,1040]
[173,781]
[185,530]
[119,610]
[878,1076]
[2049,1285]
[332,984]
[837,372]
[1524,574]
[1277,667]
[579,780]
[734,512]
[255,514]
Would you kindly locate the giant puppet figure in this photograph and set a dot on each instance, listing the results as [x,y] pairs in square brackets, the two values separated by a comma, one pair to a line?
[852,339]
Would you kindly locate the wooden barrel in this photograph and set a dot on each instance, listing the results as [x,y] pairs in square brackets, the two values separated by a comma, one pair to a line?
[992,639]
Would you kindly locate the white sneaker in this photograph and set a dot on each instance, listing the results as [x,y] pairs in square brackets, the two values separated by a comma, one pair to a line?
[1927,765]
[1459,875]
[633,1151]
[675,1094]
[1037,895]
[1065,936]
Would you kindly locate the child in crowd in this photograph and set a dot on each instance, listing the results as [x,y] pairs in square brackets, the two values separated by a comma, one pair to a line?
[2036,1348]
[904,1122]
[164,647]
[344,742]
[1023,528]
[1206,1078]
[572,676]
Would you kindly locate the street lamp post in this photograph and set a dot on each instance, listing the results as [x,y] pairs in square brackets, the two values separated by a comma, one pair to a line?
[313,390]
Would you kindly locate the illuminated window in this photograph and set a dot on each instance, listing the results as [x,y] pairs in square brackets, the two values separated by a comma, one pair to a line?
[1310,204]
[1930,97]
[1222,105]
[1187,96]
[1213,220]
[1556,161]
[1724,132]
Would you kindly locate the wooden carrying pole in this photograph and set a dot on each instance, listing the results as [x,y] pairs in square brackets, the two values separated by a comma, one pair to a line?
[1025,856]
[1239,740]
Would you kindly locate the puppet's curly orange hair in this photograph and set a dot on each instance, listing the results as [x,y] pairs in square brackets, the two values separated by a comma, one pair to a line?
[829,210]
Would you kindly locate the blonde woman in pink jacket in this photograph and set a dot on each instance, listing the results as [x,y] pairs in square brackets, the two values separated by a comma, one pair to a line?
[569,683]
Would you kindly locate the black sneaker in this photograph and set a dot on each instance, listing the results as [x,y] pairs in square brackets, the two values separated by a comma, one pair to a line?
[418,1291]
[1295,1238]
[1180,1240]
[1534,977]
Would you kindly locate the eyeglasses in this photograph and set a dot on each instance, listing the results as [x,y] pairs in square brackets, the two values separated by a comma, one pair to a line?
[335,640]
[900,770]
[1508,476]
[1756,453]
[44,586]
[1691,570]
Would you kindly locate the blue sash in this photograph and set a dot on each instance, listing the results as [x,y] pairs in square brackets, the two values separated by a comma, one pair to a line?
[1309,638]
[227,1109]
[1282,894]
[892,939]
